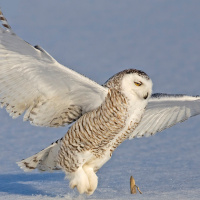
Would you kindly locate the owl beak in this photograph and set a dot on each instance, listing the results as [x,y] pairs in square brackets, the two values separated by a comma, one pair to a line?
[145,97]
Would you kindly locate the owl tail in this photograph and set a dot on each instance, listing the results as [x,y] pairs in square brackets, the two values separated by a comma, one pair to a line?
[45,160]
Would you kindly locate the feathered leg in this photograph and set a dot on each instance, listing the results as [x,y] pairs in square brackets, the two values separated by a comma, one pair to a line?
[93,179]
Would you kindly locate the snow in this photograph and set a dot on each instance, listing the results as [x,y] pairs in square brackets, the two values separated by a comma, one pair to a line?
[98,39]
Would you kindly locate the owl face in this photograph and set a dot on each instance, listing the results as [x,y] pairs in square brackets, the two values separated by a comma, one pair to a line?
[133,83]
[137,85]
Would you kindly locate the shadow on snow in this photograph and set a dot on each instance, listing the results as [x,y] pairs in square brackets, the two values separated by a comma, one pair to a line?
[26,184]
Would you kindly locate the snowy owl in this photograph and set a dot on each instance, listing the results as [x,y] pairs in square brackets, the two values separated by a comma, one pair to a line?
[49,94]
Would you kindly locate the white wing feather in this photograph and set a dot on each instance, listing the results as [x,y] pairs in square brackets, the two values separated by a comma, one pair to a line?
[164,111]
[32,81]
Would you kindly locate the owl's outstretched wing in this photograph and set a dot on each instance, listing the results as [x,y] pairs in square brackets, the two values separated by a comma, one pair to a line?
[33,82]
[164,111]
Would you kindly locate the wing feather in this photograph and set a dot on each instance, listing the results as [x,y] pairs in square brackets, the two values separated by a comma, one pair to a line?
[34,83]
[164,111]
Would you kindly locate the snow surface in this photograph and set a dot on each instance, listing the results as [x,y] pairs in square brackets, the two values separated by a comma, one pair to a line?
[99,39]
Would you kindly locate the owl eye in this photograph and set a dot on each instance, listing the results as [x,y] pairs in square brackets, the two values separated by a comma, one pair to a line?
[138,83]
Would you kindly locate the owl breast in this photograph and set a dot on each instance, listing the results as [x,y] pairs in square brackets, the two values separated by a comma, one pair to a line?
[94,136]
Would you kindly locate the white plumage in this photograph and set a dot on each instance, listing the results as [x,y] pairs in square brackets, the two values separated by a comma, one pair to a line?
[49,94]
[164,111]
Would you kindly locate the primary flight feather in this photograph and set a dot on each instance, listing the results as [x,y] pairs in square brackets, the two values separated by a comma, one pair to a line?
[49,94]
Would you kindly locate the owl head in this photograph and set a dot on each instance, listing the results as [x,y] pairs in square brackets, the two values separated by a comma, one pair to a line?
[132,83]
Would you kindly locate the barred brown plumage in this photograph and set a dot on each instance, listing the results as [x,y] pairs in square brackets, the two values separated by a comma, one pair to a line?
[4,21]
[53,95]
[91,140]
[103,132]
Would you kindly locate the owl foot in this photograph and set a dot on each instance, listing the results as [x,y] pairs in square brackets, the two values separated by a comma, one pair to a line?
[80,180]
[93,179]
[85,180]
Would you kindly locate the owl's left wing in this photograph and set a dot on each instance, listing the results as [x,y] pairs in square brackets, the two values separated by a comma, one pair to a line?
[164,111]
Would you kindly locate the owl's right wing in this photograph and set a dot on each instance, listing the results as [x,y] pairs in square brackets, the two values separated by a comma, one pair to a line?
[31,81]
[164,111]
